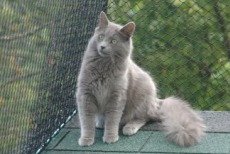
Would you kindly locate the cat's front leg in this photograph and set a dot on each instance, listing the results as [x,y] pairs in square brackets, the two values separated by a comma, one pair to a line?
[113,113]
[87,111]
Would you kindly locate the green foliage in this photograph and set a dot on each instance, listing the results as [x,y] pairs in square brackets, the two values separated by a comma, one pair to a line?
[181,44]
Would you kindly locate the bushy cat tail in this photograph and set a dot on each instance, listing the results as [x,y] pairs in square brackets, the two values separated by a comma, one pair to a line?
[181,123]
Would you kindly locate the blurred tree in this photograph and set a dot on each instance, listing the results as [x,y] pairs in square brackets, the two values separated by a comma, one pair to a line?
[184,45]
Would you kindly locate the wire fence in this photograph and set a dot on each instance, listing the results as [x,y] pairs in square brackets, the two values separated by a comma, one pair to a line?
[41,46]
[184,44]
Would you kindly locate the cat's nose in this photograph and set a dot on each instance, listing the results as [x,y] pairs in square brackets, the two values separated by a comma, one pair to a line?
[102,47]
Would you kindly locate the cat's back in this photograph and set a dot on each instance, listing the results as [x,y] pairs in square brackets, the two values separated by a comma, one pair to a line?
[140,81]
[137,72]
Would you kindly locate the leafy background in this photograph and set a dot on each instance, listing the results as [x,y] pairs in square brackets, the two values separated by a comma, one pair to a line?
[184,44]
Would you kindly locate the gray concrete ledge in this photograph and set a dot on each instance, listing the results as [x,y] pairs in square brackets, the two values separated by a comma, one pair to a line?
[216,140]
[216,121]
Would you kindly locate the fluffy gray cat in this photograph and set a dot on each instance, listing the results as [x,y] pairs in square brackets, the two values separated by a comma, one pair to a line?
[113,91]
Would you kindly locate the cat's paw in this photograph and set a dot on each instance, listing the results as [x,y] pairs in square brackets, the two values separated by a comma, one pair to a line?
[83,141]
[110,138]
[129,130]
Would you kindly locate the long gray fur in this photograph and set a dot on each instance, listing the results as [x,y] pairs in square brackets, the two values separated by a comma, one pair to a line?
[114,92]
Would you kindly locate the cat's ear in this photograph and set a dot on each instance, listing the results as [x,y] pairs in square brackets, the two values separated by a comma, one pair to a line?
[103,20]
[128,29]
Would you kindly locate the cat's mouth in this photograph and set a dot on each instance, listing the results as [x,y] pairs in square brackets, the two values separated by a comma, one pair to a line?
[102,53]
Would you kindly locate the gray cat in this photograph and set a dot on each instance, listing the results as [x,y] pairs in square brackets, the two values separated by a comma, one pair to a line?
[113,91]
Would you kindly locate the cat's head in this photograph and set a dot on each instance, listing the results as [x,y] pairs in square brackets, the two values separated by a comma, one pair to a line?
[111,39]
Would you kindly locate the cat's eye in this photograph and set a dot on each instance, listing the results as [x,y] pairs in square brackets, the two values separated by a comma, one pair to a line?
[114,41]
[101,37]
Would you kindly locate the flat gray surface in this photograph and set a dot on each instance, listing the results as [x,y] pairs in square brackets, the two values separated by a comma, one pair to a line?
[216,140]
[215,121]
[142,142]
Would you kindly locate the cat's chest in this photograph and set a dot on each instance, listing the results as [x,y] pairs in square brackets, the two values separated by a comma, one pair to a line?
[102,90]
